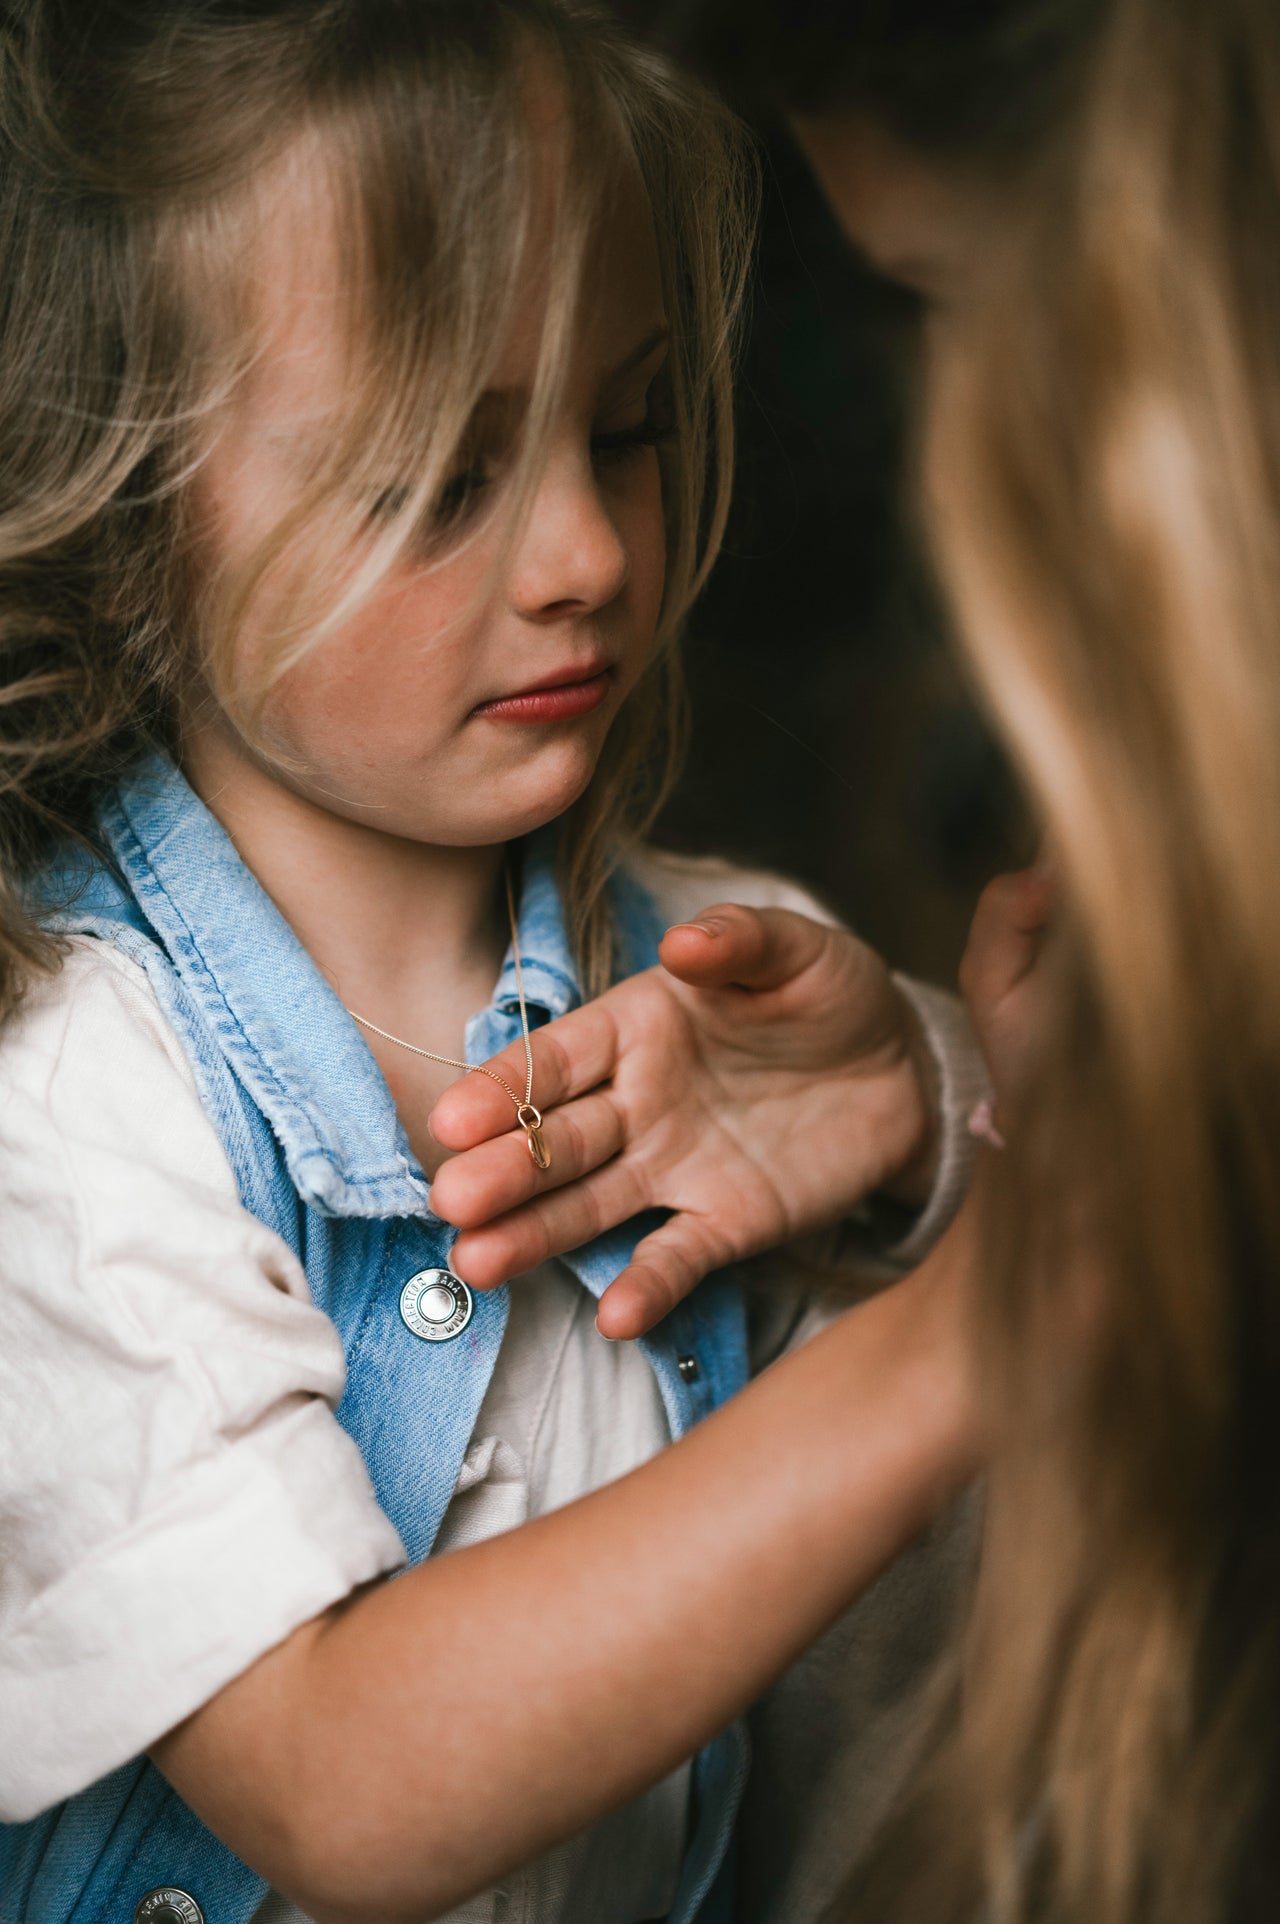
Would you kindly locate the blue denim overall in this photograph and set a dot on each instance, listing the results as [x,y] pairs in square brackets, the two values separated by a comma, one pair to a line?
[311,1132]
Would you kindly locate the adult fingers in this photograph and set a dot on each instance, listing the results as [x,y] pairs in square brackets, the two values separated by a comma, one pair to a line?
[499,1175]
[1004,937]
[569,1057]
[729,946]
[549,1226]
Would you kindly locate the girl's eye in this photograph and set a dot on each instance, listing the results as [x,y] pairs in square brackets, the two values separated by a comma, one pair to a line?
[461,491]
[455,497]
[654,431]
[388,504]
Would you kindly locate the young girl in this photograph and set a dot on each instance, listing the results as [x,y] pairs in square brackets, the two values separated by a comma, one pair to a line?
[362,366]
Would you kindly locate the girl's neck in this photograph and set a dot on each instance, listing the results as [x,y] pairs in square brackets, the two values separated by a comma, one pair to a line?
[410,934]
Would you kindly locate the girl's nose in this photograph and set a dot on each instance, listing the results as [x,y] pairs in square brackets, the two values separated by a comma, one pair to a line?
[571,558]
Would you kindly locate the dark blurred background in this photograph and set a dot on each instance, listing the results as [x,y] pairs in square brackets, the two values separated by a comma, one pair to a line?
[834,738]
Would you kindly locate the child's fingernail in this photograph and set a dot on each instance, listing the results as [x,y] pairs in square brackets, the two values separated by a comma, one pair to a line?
[709,924]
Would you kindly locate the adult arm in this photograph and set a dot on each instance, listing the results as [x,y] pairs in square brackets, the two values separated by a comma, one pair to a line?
[410,1745]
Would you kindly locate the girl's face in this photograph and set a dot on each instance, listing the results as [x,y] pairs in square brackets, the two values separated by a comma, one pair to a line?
[433,715]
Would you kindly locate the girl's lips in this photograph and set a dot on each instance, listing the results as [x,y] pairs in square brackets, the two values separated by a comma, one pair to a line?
[562,703]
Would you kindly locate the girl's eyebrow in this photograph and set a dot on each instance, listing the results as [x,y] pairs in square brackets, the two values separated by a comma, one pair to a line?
[656,338]
[496,408]
[498,397]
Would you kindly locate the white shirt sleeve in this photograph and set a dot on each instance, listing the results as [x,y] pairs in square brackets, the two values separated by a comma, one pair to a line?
[176,1494]
[681,885]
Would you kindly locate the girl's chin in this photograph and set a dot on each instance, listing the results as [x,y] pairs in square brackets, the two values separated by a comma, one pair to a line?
[478,805]
[502,810]
[527,798]
[533,812]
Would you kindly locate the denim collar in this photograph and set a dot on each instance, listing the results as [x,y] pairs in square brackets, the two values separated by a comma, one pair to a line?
[279,1024]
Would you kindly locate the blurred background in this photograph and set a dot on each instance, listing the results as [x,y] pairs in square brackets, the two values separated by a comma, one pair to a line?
[833,738]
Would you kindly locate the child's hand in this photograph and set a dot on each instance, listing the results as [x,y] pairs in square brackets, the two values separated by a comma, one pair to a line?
[758,1085]
[1002,975]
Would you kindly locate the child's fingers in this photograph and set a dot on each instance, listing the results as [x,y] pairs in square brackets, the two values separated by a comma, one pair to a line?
[563,1219]
[473,1109]
[569,1057]
[665,1267]
[500,1174]
[732,946]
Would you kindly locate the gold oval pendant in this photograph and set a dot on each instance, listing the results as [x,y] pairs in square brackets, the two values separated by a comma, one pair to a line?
[538,1148]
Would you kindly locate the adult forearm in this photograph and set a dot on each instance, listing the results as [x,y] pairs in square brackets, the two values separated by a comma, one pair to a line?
[438,1730]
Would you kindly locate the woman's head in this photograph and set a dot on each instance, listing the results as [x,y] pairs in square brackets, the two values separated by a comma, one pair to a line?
[334,406]
[1104,472]
[917,114]
[1103,475]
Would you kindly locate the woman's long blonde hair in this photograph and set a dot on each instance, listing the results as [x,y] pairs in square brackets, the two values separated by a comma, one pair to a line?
[1104,478]
[140,144]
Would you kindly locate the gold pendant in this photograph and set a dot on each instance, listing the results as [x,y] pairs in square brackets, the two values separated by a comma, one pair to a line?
[530,1121]
[538,1148]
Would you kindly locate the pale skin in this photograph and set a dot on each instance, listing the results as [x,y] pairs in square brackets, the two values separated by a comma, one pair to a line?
[322,1765]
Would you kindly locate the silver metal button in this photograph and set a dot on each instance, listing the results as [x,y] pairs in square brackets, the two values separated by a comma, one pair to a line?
[168,1905]
[688,1368]
[436,1305]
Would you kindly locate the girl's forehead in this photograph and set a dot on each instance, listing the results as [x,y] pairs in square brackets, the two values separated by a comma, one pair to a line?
[303,313]
[298,296]
[620,297]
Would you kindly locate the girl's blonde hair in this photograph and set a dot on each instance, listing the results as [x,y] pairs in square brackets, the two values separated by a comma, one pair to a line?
[1104,478]
[141,144]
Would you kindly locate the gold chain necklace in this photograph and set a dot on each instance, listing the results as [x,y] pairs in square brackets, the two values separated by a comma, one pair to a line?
[527,1116]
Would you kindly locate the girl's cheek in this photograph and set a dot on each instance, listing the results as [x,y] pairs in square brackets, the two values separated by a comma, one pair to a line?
[641,512]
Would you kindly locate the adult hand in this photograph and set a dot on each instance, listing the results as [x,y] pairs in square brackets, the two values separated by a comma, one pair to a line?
[1003,976]
[758,1085]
